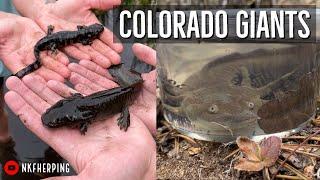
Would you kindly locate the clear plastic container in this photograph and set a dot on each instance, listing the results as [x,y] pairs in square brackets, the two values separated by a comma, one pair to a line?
[218,91]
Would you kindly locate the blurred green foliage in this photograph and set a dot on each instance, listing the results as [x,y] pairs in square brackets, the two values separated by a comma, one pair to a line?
[128,2]
[137,2]
[100,13]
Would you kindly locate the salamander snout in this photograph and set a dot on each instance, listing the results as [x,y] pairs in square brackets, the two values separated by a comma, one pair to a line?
[95,29]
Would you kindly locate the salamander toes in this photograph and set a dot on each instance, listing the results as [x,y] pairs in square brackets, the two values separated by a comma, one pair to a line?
[124,120]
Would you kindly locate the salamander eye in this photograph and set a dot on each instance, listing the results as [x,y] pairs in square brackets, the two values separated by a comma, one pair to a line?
[251,105]
[213,109]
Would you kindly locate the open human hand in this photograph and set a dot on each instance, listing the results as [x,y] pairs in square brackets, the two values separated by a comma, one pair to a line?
[18,35]
[66,15]
[88,77]
[105,152]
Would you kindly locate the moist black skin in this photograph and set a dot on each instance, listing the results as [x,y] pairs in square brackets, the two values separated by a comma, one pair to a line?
[79,110]
[53,41]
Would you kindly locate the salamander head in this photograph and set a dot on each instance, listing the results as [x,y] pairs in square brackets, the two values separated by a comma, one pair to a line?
[222,107]
[94,30]
[53,118]
[63,113]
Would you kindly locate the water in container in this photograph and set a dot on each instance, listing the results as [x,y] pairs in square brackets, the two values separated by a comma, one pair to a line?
[218,91]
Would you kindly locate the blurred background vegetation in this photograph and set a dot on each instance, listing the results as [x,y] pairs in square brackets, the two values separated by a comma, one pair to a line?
[100,14]
[138,2]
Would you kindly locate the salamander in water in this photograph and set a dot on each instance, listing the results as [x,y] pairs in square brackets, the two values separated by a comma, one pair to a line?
[235,94]
[53,41]
[82,110]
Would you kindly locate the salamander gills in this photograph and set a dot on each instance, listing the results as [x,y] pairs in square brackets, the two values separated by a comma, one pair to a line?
[53,41]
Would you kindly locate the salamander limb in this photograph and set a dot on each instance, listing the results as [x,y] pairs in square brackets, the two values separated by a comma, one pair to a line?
[124,119]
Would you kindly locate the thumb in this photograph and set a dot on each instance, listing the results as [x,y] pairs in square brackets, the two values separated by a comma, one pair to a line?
[103,4]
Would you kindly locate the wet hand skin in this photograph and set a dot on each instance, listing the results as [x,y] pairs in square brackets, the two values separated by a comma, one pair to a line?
[235,87]
[18,35]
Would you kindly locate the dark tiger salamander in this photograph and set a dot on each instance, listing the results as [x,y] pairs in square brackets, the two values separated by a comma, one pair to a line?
[82,110]
[53,41]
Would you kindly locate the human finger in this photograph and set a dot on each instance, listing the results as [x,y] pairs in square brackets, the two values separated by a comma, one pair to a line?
[92,76]
[145,53]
